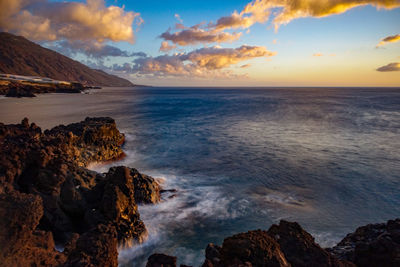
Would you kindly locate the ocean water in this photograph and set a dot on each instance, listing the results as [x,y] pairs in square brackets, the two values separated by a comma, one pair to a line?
[242,159]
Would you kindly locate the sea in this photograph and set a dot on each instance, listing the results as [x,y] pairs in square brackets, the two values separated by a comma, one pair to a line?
[242,159]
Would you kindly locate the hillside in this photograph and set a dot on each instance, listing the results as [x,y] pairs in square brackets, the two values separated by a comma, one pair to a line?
[23,57]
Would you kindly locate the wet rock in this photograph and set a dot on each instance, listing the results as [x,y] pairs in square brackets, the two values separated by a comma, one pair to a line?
[372,245]
[300,248]
[119,207]
[213,255]
[147,190]
[161,260]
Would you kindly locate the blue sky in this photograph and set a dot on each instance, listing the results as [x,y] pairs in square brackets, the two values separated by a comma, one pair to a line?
[332,43]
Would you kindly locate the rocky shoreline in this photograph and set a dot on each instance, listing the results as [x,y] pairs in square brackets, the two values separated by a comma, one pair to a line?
[49,199]
[20,89]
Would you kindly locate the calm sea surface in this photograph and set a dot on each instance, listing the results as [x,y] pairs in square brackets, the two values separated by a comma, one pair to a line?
[242,159]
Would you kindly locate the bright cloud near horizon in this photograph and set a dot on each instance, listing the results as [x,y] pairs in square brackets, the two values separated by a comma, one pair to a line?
[221,43]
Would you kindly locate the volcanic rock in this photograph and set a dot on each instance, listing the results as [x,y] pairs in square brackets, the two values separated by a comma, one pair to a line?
[47,196]
[97,247]
[161,260]
[300,248]
[147,190]
[21,243]
[254,248]
[372,245]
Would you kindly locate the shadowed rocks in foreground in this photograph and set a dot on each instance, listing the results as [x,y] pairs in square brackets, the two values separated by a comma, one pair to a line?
[288,244]
[48,197]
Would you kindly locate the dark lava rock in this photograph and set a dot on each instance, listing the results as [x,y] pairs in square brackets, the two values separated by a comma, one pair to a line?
[372,245]
[21,243]
[94,139]
[254,248]
[161,260]
[18,90]
[118,206]
[97,247]
[47,196]
[147,190]
[29,89]
[300,248]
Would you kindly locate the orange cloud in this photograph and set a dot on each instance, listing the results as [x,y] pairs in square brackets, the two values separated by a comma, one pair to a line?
[195,35]
[165,47]
[390,67]
[389,39]
[260,11]
[49,21]
[317,55]
[217,58]
[288,10]
[204,62]
[245,66]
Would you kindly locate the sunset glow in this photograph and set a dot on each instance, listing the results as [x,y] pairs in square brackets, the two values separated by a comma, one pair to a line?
[280,42]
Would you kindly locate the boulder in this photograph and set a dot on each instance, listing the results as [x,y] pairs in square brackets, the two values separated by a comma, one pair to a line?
[118,207]
[21,243]
[254,248]
[372,245]
[300,248]
[147,190]
[97,247]
[161,260]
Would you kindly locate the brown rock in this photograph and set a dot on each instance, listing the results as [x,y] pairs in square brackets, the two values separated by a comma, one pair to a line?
[119,207]
[147,190]
[21,243]
[161,260]
[97,247]
[254,248]
[372,245]
[299,246]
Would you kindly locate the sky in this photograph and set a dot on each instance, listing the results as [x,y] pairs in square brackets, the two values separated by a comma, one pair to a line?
[221,43]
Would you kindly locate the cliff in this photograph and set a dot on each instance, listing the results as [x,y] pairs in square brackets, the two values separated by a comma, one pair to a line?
[23,57]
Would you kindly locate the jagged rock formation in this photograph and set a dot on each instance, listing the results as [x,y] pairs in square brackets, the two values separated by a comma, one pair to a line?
[288,244]
[300,248]
[372,245]
[47,195]
[23,57]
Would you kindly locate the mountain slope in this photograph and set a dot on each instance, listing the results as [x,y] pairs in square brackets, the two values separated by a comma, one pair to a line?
[23,57]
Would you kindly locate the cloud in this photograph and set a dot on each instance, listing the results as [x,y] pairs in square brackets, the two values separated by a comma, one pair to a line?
[165,47]
[288,10]
[317,55]
[245,66]
[260,11]
[217,58]
[91,49]
[195,35]
[390,67]
[389,39]
[204,62]
[178,17]
[42,20]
